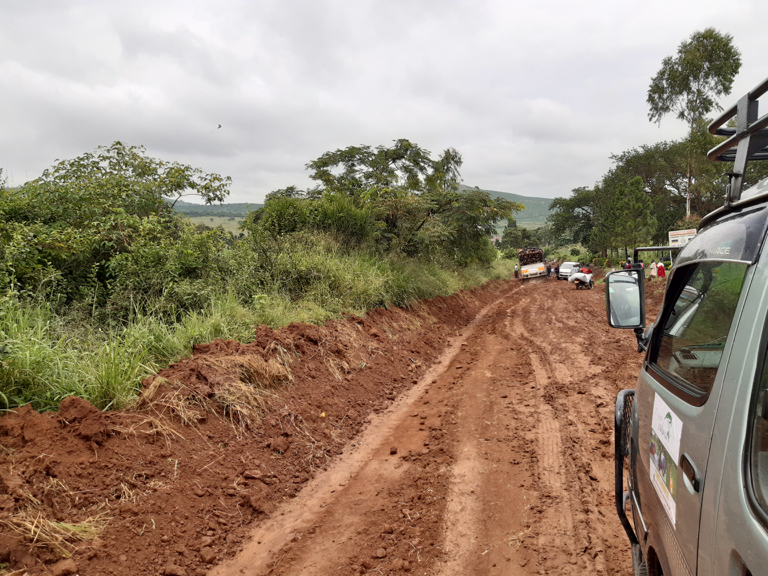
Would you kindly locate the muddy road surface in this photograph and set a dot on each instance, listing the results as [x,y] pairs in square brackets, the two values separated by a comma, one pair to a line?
[469,435]
[499,461]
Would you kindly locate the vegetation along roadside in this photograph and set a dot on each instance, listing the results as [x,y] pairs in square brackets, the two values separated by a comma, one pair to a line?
[102,283]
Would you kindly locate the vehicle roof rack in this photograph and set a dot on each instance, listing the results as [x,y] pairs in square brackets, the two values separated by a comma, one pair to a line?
[747,141]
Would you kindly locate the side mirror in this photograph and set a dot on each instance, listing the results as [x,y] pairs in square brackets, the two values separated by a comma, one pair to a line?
[625,299]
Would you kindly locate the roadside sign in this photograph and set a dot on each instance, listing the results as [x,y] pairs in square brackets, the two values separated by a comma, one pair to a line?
[681,237]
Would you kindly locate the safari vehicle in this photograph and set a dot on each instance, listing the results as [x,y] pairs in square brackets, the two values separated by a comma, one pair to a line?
[691,439]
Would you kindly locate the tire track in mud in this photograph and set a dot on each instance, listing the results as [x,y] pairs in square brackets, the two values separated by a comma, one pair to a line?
[552,474]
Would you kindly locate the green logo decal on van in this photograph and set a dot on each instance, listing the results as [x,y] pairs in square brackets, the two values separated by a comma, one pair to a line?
[666,430]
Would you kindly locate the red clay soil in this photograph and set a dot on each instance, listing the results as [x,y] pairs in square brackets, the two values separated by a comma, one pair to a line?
[430,440]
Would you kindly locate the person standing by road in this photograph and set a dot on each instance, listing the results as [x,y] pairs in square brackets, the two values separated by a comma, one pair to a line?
[549,270]
[661,271]
[654,269]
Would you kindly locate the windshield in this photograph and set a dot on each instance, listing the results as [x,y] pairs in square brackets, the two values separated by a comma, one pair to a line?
[736,237]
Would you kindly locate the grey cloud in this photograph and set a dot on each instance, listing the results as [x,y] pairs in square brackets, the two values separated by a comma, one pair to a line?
[535,97]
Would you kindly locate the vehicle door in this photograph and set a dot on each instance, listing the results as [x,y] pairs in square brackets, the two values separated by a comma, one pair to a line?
[734,521]
[681,382]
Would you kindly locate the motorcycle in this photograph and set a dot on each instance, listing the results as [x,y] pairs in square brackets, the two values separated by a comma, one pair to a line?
[581,280]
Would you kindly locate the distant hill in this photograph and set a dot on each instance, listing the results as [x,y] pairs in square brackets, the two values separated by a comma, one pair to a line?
[536,209]
[237,210]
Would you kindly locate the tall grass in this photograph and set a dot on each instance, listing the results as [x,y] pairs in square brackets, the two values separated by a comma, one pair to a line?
[46,356]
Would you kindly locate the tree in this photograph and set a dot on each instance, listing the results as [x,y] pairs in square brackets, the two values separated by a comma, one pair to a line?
[574,216]
[398,197]
[471,217]
[69,224]
[607,219]
[704,68]
[358,170]
[128,171]
[635,225]
[687,85]
[288,192]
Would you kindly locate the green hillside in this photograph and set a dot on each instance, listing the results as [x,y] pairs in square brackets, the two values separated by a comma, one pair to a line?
[236,210]
[536,209]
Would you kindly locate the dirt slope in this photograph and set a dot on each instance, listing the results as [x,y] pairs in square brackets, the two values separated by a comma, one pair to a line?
[406,441]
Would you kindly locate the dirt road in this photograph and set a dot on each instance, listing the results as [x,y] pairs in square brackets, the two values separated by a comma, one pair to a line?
[468,435]
[499,461]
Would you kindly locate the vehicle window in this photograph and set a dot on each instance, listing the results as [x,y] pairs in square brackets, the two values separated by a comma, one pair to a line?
[758,457]
[696,328]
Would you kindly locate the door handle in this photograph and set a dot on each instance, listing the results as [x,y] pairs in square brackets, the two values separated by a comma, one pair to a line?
[690,473]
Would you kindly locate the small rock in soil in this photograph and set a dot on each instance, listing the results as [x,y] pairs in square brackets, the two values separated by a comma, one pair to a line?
[64,568]
[393,450]
[261,505]
[173,570]
[281,445]
[381,553]
[207,555]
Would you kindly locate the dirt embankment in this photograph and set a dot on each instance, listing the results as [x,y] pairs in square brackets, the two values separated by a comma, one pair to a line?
[469,435]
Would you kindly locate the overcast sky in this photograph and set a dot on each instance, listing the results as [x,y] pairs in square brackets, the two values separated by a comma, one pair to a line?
[535,95]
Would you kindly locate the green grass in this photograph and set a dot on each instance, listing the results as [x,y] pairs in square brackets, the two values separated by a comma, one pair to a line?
[229,223]
[45,356]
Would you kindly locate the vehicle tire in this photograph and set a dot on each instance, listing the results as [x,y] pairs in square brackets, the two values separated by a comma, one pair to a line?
[591,284]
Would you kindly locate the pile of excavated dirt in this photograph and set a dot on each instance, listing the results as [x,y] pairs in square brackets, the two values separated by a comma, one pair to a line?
[215,444]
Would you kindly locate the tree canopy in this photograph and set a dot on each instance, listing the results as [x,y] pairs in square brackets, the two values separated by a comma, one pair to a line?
[357,170]
[687,84]
[68,226]
[399,197]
